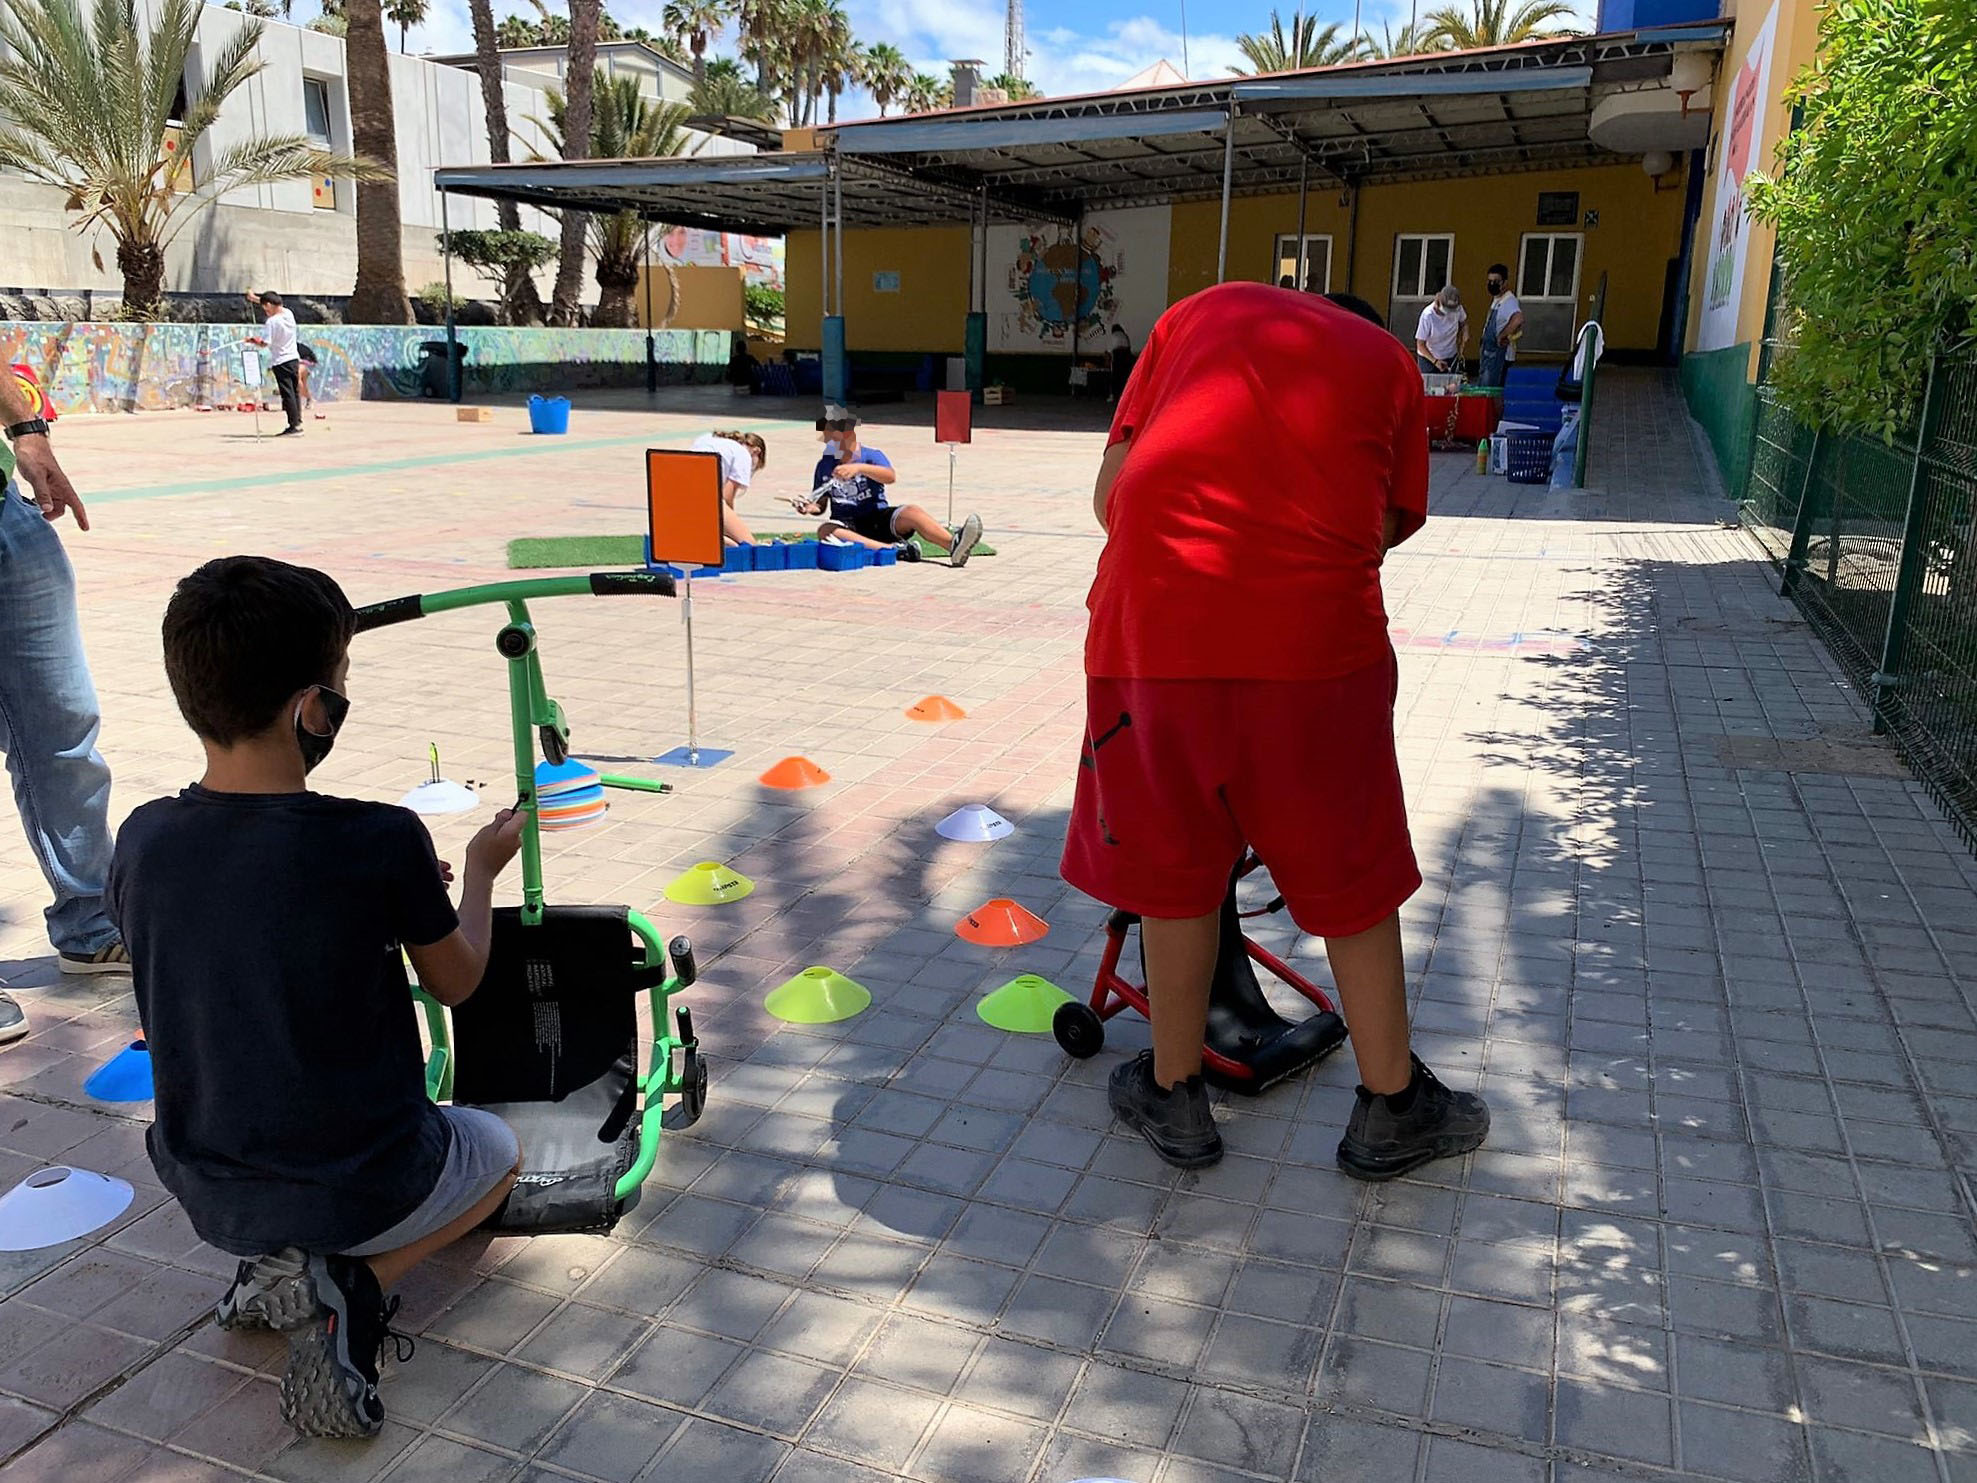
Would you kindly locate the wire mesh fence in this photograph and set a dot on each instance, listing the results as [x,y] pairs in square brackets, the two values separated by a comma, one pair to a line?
[1878,545]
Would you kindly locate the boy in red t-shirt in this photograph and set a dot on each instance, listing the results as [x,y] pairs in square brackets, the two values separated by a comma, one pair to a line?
[1240,686]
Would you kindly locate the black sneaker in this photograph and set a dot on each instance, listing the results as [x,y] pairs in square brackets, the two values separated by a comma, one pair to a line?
[1381,1143]
[1176,1122]
[908,549]
[13,1020]
[289,432]
[110,958]
[331,1388]
[277,1291]
[965,537]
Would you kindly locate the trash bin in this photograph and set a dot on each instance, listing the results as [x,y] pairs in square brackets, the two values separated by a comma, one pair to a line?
[433,380]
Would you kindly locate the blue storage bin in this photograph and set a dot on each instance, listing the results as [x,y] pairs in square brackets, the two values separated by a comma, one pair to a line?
[842,558]
[738,559]
[771,556]
[801,555]
[886,557]
[549,414]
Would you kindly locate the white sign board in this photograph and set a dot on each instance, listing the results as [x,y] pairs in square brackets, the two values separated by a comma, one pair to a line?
[1741,151]
[250,368]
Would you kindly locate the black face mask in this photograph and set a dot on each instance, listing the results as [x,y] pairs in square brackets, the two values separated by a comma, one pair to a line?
[315,747]
[1496,285]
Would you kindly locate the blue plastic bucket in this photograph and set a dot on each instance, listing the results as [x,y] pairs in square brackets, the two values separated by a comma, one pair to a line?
[549,414]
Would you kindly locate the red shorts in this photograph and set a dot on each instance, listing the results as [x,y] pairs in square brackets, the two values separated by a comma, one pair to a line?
[1177,776]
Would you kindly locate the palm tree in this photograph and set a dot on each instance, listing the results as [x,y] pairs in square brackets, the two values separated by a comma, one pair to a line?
[728,94]
[1409,41]
[886,73]
[923,92]
[1496,23]
[697,23]
[378,296]
[579,74]
[524,301]
[764,28]
[627,125]
[1015,89]
[843,62]
[1311,45]
[405,14]
[99,97]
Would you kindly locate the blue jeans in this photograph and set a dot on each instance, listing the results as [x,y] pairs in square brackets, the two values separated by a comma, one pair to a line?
[48,726]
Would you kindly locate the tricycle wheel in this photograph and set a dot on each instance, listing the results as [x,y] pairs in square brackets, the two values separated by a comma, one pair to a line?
[686,1112]
[1078,1030]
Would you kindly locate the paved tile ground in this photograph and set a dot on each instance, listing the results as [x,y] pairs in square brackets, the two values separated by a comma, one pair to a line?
[1716,982]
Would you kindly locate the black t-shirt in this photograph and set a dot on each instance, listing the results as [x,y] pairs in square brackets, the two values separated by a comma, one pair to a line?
[264,932]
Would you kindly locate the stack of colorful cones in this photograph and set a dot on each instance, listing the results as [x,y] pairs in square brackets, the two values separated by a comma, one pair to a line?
[568,795]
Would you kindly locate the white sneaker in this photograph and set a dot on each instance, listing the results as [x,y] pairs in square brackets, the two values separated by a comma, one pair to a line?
[966,539]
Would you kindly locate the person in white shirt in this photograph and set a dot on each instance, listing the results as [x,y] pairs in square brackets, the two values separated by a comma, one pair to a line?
[1502,329]
[742,457]
[1441,338]
[283,358]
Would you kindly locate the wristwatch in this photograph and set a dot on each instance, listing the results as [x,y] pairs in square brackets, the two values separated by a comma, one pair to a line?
[34,426]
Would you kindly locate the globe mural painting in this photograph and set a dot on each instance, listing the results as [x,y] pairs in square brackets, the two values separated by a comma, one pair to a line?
[1060,285]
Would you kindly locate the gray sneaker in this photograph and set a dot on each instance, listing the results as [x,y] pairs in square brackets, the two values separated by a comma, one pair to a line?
[13,1020]
[277,1291]
[966,537]
[1176,1122]
[1380,1143]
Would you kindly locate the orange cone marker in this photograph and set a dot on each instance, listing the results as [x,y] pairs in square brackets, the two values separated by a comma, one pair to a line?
[935,708]
[794,772]
[1001,923]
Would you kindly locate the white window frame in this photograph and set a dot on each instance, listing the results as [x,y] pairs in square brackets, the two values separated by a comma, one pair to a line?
[1551,239]
[1282,250]
[1420,289]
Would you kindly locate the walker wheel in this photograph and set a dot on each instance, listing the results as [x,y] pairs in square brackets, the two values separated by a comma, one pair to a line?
[1078,1030]
[693,1095]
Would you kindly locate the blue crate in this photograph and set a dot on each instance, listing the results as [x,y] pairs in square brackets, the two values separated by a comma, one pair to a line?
[801,555]
[771,556]
[889,556]
[738,559]
[843,558]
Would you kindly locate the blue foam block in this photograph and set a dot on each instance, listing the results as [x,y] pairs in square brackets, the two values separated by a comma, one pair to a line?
[801,555]
[888,557]
[738,559]
[843,558]
[771,556]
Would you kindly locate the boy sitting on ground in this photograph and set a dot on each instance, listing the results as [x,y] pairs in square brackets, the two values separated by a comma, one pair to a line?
[850,492]
[265,924]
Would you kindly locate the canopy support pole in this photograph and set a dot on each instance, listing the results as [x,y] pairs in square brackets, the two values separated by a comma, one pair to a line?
[452,333]
[1303,257]
[651,352]
[1228,181]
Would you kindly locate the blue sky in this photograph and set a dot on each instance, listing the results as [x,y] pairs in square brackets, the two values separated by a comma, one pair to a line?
[1075,45]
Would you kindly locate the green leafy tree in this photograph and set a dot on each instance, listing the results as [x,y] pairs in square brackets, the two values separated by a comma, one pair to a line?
[97,92]
[579,78]
[1409,41]
[625,125]
[886,74]
[1306,44]
[924,91]
[728,94]
[1015,89]
[378,296]
[1876,211]
[1498,23]
[698,23]
[763,306]
[500,256]
[405,14]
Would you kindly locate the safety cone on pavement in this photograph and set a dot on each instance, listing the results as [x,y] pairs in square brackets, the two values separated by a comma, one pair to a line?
[1022,1006]
[1001,923]
[709,883]
[794,772]
[933,708]
[817,996]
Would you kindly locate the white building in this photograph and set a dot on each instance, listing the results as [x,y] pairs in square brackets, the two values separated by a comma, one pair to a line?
[298,238]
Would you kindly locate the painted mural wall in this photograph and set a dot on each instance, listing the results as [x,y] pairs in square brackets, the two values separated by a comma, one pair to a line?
[157,367]
[1044,292]
[759,258]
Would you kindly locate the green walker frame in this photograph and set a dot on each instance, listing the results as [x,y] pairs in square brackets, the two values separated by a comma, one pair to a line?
[538,720]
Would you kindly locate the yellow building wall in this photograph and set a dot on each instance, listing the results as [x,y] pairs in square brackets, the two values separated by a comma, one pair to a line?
[709,298]
[1639,230]
[1793,47]
[927,313]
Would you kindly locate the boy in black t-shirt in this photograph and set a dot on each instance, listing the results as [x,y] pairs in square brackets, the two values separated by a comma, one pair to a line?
[265,925]
[849,491]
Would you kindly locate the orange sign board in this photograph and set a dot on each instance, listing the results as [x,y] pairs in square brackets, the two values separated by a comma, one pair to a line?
[683,506]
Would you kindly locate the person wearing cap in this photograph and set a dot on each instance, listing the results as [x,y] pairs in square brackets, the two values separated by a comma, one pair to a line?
[850,484]
[1441,338]
[284,358]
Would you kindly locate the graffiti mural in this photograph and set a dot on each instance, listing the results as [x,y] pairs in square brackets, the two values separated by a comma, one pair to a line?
[1060,286]
[154,367]
[759,258]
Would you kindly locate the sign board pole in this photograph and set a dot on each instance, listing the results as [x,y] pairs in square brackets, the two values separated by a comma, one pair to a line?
[950,485]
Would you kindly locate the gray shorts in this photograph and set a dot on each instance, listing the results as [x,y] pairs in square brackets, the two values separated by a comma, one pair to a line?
[482,1151]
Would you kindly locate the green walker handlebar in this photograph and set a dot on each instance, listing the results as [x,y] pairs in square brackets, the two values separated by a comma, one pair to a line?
[595,584]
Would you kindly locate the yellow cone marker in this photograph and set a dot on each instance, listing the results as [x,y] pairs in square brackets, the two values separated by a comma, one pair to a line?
[709,883]
[1023,1006]
[817,996]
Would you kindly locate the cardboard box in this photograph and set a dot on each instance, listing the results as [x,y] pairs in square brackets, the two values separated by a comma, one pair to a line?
[474,414]
[997,396]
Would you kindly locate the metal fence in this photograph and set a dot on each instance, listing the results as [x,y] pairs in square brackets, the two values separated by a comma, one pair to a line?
[1878,545]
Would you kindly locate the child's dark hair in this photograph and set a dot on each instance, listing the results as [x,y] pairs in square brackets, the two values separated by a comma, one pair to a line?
[243,634]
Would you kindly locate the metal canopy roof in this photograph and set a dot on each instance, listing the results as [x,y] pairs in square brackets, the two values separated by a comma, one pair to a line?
[760,194]
[1491,111]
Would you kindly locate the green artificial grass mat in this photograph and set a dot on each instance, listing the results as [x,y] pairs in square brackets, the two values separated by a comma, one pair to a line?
[616,552]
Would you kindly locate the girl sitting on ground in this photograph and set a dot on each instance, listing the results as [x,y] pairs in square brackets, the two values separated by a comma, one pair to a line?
[742,457]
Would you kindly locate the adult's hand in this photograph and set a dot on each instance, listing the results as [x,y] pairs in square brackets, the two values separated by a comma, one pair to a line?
[35,459]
